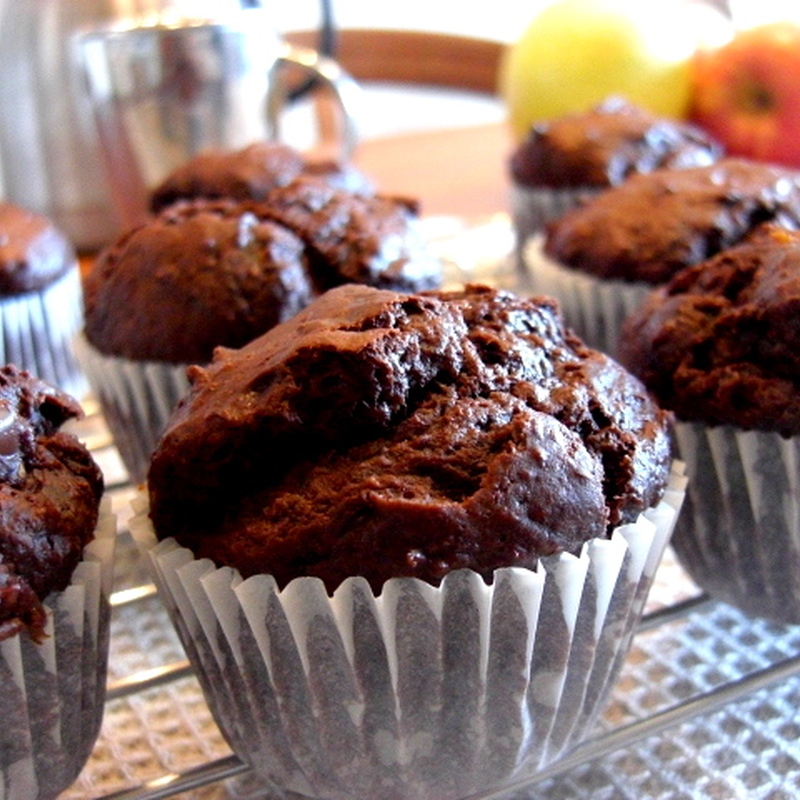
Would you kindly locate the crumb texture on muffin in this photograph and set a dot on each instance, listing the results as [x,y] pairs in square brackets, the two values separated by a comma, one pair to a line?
[720,343]
[384,434]
[50,489]
[652,225]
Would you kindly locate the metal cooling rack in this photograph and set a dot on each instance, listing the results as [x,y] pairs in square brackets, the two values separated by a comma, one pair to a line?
[706,706]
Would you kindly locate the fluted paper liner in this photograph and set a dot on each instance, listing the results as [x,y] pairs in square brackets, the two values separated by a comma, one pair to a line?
[593,307]
[137,399]
[37,332]
[739,535]
[533,207]
[421,692]
[52,694]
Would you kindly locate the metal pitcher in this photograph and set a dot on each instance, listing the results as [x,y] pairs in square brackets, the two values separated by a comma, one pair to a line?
[50,157]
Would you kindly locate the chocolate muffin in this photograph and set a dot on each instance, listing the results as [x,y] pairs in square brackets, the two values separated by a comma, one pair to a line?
[388,484]
[200,274]
[570,158]
[718,344]
[207,273]
[602,258]
[48,482]
[40,298]
[54,536]
[444,409]
[250,174]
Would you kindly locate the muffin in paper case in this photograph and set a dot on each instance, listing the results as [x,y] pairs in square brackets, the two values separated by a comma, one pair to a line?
[421,691]
[53,692]
[739,533]
[137,398]
[38,328]
[595,308]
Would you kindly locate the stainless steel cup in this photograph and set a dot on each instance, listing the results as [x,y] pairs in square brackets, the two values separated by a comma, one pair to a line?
[162,91]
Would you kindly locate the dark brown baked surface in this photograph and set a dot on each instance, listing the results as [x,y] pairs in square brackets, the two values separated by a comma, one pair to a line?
[382,434]
[604,146]
[652,225]
[370,239]
[200,274]
[249,173]
[206,272]
[720,343]
[50,491]
[33,252]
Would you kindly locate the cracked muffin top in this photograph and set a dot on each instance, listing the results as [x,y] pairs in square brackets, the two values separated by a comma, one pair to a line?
[384,434]
[720,343]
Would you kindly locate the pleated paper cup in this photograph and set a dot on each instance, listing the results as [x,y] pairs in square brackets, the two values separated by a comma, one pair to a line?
[739,534]
[52,693]
[532,208]
[593,307]
[137,399]
[420,692]
[37,332]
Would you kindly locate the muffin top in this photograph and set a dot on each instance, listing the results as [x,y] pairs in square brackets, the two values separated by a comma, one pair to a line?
[605,145]
[50,491]
[249,174]
[383,434]
[206,272]
[720,342]
[33,252]
[652,225]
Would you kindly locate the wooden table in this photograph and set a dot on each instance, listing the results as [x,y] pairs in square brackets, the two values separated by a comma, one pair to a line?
[462,171]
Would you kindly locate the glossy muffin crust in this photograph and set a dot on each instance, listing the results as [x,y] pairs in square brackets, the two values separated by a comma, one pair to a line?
[50,491]
[604,146]
[383,434]
[249,173]
[33,252]
[653,225]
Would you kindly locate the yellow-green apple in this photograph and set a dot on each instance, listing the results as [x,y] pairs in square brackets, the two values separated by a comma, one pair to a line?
[747,93]
[575,53]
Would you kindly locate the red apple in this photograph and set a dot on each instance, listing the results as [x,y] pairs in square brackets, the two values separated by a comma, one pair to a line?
[747,93]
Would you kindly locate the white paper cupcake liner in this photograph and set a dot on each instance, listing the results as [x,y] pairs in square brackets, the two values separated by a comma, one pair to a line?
[137,399]
[739,533]
[593,307]
[37,332]
[52,693]
[533,207]
[422,691]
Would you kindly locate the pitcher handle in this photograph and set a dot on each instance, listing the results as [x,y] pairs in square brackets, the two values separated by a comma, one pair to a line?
[343,87]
